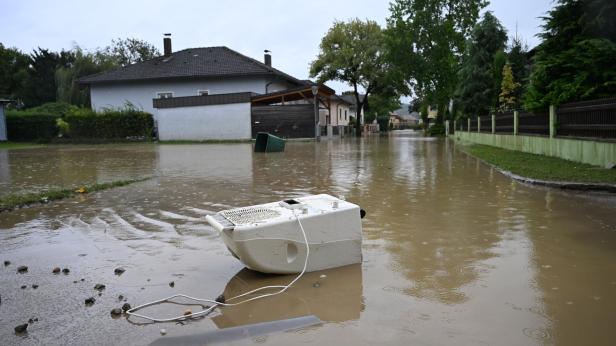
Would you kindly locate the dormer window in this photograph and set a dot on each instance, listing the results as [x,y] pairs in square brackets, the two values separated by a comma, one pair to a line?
[203,92]
[164,94]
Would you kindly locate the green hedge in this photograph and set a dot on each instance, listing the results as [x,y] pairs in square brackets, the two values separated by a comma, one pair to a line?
[111,124]
[31,126]
[383,122]
[53,120]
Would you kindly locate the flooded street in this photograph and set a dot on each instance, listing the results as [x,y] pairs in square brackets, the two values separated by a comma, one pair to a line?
[453,251]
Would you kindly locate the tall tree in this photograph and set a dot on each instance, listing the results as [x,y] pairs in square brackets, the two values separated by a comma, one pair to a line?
[576,59]
[131,50]
[84,64]
[517,58]
[40,86]
[479,79]
[13,72]
[425,41]
[353,52]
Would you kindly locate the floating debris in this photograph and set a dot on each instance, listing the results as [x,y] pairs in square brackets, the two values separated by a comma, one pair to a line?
[56,270]
[90,301]
[99,287]
[35,286]
[171,284]
[120,297]
[163,331]
[126,307]
[116,312]
[22,328]
[187,312]
[7,263]
[220,299]
[23,287]
[66,271]
[22,269]
[119,271]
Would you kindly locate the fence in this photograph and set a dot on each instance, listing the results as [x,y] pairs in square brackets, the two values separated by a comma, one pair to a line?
[587,120]
[582,131]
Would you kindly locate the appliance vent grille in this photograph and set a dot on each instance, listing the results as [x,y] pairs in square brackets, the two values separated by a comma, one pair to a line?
[248,215]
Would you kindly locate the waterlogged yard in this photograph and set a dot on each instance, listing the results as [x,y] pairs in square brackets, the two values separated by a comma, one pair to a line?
[454,252]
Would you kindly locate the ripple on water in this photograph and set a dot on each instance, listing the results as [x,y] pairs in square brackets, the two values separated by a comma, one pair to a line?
[539,334]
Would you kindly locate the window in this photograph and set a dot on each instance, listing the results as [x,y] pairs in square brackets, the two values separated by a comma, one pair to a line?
[164,94]
[203,92]
[339,113]
[345,114]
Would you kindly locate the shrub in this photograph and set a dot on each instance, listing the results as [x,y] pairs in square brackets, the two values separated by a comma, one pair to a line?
[383,122]
[122,124]
[438,129]
[28,125]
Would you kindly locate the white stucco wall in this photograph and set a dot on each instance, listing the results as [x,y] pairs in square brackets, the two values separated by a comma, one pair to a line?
[215,122]
[2,124]
[141,94]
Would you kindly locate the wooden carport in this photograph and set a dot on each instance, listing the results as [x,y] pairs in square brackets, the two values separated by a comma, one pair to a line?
[291,113]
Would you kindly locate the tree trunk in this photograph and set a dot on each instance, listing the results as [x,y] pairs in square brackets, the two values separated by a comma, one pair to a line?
[358,108]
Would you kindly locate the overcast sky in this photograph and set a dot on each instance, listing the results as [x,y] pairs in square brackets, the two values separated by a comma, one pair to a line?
[292,30]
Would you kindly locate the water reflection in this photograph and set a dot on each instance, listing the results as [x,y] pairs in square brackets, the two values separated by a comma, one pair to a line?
[335,298]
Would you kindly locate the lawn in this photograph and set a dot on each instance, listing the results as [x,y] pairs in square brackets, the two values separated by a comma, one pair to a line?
[19,145]
[540,166]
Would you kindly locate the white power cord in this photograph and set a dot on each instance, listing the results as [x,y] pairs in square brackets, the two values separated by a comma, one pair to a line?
[131,312]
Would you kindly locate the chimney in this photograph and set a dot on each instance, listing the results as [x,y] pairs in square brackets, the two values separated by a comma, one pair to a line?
[267,58]
[167,45]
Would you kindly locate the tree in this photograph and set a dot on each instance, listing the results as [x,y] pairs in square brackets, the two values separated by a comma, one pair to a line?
[576,59]
[353,52]
[13,72]
[85,63]
[517,58]
[40,85]
[507,97]
[425,40]
[381,105]
[131,50]
[479,79]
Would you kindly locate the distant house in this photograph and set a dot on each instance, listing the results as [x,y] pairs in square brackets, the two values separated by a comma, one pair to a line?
[350,98]
[211,93]
[403,118]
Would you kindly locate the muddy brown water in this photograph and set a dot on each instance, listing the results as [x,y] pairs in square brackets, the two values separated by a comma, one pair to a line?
[454,252]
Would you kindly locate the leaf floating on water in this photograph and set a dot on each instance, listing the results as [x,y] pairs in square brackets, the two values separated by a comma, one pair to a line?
[81,190]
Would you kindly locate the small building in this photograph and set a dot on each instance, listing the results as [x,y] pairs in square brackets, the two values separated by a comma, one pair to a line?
[3,134]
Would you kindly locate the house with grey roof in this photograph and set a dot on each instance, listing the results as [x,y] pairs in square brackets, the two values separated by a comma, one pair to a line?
[215,93]
[189,72]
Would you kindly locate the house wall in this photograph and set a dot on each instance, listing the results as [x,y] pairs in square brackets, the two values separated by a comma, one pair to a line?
[141,93]
[2,124]
[213,122]
[337,110]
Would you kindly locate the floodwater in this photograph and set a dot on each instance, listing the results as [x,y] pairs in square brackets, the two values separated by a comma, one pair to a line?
[454,252]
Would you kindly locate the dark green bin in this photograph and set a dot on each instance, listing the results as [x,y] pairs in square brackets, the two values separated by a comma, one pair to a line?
[267,143]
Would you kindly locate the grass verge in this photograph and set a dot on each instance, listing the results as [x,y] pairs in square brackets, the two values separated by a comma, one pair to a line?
[18,145]
[13,201]
[541,167]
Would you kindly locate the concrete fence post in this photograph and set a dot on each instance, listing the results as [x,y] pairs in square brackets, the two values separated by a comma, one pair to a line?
[552,121]
[468,129]
[516,121]
[493,123]
[478,124]
[446,128]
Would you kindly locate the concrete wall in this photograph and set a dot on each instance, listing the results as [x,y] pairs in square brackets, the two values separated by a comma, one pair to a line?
[2,124]
[141,94]
[215,122]
[586,151]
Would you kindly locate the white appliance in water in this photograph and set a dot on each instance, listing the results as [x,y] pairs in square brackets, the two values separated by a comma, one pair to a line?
[268,237]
